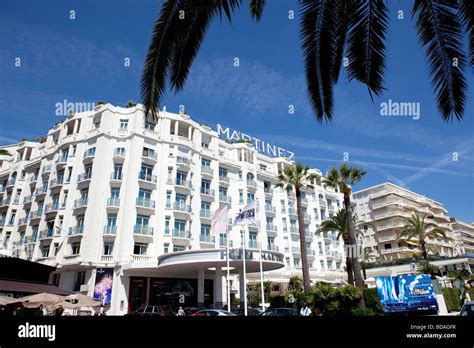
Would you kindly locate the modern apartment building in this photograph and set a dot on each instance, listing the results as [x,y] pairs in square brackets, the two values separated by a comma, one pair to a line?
[464,235]
[388,207]
[107,193]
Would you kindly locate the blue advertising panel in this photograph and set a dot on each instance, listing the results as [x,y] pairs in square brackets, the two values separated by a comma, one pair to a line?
[103,285]
[406,293]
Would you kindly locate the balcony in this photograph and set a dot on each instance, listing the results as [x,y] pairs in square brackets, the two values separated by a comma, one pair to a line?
[268,191]
[182,208]
[22,222]
[207,194]
[322,202]
[252,184]
[76,231]
[5,202]
[52,208]
[113,203]
[206,171]
[34,180]
[145,204]
[36,215]
[183,185]
[11,183]
[56,183]
[143,232]
[206,239]
[271,229]
[116,178]
[147,180]
[292,211]
[181,234]
[110,231]
[224,180]
[149,157]
[46,169]
[46,234]
[89,155]
[205,214]
[81,203]
[223,243]
[106,258]
[84,179]
[119,155]
[62,161]
[273,247]
[225,199]
[40,191]
[269,210]
[183,163]
[294,230]
[140,258]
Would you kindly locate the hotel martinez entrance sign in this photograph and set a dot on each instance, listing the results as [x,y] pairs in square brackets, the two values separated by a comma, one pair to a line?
[262,147]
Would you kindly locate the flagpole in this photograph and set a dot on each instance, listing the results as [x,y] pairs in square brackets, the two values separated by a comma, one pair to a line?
[261,262]
[229,307]
[245,272]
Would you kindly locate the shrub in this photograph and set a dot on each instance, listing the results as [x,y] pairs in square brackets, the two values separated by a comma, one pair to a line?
[363,311]
[277,301]
[295,298]
[372,300]
[331,301]
[471,293]
[452,298]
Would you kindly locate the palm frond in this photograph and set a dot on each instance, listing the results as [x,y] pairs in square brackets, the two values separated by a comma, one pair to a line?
[440,33]
[366,43]
[466,11]
[317,33]
[342,10]
[256,8]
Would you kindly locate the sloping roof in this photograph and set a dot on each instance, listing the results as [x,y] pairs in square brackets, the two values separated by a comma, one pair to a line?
[30,287]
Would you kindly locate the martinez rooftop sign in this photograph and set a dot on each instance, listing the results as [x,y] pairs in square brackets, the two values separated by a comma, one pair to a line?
[262,147]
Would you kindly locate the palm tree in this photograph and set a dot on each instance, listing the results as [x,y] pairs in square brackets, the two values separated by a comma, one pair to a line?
[130,104]
[417,228]
[343,179]
[338,223]
[366,257]
[460,277]
[329,31]
[297,177]
[4,152]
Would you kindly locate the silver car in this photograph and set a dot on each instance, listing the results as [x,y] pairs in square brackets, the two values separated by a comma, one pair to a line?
[213,313]
[467,310]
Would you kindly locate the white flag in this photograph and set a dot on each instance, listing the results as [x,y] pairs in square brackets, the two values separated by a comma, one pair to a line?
[219,221]
[247,215]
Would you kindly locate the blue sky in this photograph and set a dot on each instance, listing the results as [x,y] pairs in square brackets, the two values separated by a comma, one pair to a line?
[83,60]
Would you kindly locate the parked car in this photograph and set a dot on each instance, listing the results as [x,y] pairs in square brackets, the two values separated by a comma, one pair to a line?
[280,312]
[467,310]
[162,311]
[251,312]
[213,313]
[190,310]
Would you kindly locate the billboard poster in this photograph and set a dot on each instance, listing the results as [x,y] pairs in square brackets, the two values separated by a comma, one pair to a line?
[406,293]
[103,285]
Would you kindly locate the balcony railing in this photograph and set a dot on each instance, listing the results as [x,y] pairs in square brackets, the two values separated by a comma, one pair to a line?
[76,230]
[110,230]
[116,176]
[51,207]
[205,213]
[182,207]
[182,160]
[88,154]
[143,230]
[183,183]
[113,202]
[206,170]
[251,183]
[207,239]
[84,177]
[82,202]
[56,182]
[292,211]
[150,155]
[145,203]
[208,192]
[224,179]
[47,168]
[11,182]
[119,152]
[271,228]
[181,234]
[147,177]
[225,199]
[270,209]
[46,234]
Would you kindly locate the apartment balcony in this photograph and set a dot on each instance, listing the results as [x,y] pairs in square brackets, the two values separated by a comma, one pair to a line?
[183,186]
[46,235]
[11,183]
[205,214]
[16,201]
[205,239]
[306,217]
[292,211]
[5,202]
[268,191]
[113,203]
[183,163]
[304,202]
[182,209]
[28,200]
[116,179]
[149,157]
[33,181]
[207,194]
[2,223]
[224,180]
[140,258]
[46,169]
[109,231]
[106,258]
[270,210]
[271,229]
[273,247]
[89,155]
[322,203]
[36,215]
[181,237]
[225,199]
[143,233]
[3,189]
[223,243]
[253,244]
[56,184]
[147,180]
[119,155]
[402,250]
[51,208]
[387,238]
[145,205]
[22,222]
[61,161]
[294,230]
[40,192]
[76,231]
[84,179]
[207,172]
[80,203]
[251,184]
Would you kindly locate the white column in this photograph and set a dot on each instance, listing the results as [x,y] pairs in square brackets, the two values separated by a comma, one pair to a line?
[190,132]
[76,124]
[241,289]
[176,126]
[200,297]
[218,288]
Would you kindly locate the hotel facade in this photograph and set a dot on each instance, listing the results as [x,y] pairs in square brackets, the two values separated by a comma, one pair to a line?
[107,193]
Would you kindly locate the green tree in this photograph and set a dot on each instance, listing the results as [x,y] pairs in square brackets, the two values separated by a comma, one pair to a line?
[297,178]
[461,276]
[343,179]
[367,255]
[338,223]
[427,268]
[130,104]
[295,283]
[329,31]
[416,228]
[4,152]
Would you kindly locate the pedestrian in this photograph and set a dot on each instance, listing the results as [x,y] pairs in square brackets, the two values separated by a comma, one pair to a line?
[305,310]
[181,312]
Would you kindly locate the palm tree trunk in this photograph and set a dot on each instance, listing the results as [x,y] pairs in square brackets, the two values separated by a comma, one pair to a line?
[350,271]
[364,271]
[423,249]
[359,281]
[304,256]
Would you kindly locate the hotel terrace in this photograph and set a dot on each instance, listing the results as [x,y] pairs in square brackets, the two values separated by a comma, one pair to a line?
[105,189]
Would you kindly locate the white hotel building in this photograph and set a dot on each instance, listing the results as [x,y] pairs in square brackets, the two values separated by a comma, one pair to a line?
[105,190]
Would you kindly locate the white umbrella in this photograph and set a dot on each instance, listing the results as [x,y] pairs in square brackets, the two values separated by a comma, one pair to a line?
[4,300]
[76,301]
[42,299]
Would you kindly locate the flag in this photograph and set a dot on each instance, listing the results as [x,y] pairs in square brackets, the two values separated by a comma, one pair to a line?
[219,221]
[247,214]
